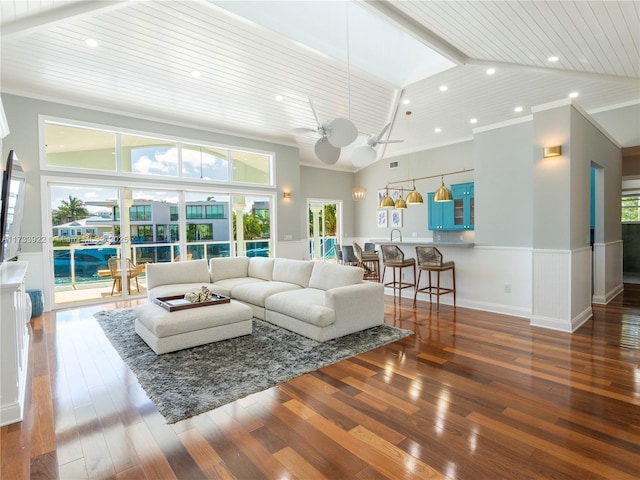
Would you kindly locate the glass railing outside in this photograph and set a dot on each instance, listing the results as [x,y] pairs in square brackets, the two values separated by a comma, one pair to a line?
[327,246]
[78,264]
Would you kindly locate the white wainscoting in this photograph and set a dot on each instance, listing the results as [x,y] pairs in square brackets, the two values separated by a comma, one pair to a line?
[494,279]
[561,288]
[295,249]
[607,275]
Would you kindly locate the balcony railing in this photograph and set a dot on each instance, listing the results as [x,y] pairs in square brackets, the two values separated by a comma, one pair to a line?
[77,263]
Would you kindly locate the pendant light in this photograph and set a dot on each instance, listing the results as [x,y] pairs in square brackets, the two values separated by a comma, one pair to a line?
[387,201]
[358,194]
[414,197]
[442,194]
[400,204]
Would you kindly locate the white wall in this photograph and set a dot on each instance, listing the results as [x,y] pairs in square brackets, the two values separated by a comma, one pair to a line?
[504,185]
[444,159]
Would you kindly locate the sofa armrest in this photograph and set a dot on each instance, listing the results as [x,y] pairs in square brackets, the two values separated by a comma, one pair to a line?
[356,306]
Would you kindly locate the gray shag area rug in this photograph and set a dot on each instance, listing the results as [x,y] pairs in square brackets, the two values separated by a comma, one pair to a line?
[192,381]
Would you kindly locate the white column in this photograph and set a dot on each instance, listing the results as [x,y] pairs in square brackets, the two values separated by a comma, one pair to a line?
[316,209]
[238,208]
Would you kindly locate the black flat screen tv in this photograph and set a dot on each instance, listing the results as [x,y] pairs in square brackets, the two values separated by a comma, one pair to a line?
[12,208]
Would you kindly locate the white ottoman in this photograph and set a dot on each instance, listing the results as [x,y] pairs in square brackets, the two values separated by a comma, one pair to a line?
[166,331]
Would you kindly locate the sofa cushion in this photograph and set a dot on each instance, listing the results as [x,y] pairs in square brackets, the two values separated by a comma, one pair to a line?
[228,267]
[224,287]
[306,304]
[170,273]
[256,293]
[331,275]
[292,271]
[260,267]
[182,288]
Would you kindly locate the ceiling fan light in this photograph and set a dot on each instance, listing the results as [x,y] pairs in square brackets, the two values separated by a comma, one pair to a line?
[363,156]
[414,198]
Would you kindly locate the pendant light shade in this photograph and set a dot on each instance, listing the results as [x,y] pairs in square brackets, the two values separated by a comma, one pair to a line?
[442,194]
[414,197]
[400,203]
[387,201]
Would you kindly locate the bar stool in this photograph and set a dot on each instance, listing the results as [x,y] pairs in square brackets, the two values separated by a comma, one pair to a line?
[369,261]
[348,257]
[393,256]
[430,260]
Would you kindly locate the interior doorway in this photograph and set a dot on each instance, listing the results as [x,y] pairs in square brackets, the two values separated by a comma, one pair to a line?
[325,228]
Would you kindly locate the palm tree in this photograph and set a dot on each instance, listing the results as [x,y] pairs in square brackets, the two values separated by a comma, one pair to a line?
[70,210]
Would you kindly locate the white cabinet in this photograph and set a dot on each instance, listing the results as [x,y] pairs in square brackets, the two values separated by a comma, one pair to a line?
[14,341]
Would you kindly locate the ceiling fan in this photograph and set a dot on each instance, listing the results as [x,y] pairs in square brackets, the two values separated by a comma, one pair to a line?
[366,154]
[334,135]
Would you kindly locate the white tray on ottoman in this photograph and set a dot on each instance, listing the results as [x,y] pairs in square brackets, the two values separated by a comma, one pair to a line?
[166,331]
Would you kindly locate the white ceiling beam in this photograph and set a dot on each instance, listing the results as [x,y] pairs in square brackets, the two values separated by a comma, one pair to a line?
[61,14]
[416,30]
[556,70]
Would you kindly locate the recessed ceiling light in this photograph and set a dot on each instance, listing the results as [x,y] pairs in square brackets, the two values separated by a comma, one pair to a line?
[444,88]
[406,101]
[437,130]
[491,71]
[517,109]
[573,94]
[279,98]
[473,120]
[195,74]
[553,59]
[91,42]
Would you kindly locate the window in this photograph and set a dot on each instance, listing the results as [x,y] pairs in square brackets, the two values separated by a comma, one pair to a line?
[141,233]
[194,211]
[250,167]
[149,156]
[160,233]
[79,147]
[631,208]
[214,211]
[174,213]
[140,212]
[199,231]
[204,162]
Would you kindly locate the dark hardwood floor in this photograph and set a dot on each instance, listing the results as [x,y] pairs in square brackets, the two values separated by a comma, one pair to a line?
[471,395]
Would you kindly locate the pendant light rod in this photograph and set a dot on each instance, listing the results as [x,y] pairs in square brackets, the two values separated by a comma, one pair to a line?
[424,178]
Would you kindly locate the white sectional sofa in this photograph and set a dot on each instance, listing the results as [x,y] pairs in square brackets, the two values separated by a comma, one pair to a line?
[316,299]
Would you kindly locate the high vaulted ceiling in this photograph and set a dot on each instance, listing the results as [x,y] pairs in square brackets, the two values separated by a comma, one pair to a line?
[246,56]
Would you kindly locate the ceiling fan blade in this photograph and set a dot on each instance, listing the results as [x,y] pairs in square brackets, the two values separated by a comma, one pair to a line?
[382,132]
[391,141]
[315,113]
[326,152]
[303,131]
[363,156]
[342,132]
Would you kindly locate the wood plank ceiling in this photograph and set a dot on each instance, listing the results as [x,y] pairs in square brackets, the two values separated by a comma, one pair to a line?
[148,50]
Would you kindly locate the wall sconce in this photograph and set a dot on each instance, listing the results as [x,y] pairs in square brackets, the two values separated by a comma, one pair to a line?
[358,194]
[286,194]
[552,151]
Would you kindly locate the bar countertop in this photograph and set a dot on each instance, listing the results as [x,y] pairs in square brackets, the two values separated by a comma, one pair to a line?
[423,241]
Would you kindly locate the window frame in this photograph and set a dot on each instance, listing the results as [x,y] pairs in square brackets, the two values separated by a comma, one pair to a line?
[179,141]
